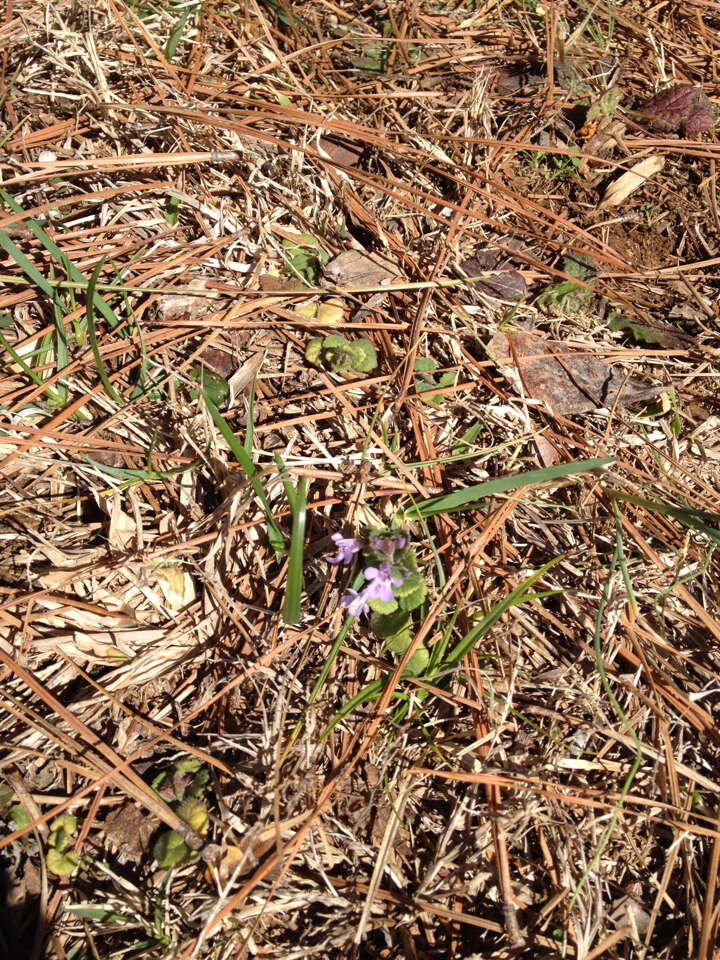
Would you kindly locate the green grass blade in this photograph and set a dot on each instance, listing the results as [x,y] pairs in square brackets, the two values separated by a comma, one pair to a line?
[52,248]
[250,428]
[618,558]
[92,336]
[274,536]
[28,268]
[371,692]
[519,595]
[37,380]
[176,36]
[686,515]
[327,667]
[452,502]
[295,581]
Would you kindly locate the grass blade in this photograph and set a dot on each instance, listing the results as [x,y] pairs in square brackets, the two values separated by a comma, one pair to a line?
[238,451]
[295,580]
[519,595]
[92,336]
[452,502]
[52,248]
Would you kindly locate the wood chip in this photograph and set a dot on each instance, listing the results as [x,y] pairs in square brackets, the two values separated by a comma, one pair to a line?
[620,189]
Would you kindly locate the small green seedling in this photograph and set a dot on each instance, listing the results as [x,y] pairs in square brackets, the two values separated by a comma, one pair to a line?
[426,382]
[567,295]
[60,860]
[555,166]
[338,354]
[304,257]
[185,782]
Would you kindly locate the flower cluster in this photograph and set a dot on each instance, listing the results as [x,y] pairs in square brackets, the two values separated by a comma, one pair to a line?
[390,572]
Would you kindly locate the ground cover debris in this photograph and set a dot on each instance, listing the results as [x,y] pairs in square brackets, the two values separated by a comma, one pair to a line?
[360,480]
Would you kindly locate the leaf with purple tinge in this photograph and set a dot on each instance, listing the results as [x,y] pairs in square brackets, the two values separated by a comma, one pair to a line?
[502,283]
[682,108]
[566,380]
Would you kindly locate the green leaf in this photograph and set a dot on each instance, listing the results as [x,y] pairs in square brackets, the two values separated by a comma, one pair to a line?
[172,210]
[425,365]
[62,864]
[92,336]
[6,794]
[400,642]
[387,625]
[519,595]
[467,439]
[638,331]
[175,37]
[274,536]
[417,663]
[170,850]
[211,385]
[364,357]
[194,813]
[412,592]
[313,351]
[295,581]
[61,830]
[52,248]
[190,765]
[19,815]
[383,606]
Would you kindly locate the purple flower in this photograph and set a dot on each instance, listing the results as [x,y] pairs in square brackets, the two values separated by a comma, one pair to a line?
[354,602]
[347,547]
[382,580]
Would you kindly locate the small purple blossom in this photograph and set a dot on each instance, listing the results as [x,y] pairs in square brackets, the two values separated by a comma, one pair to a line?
[354,602]
[347,547]
[382,580]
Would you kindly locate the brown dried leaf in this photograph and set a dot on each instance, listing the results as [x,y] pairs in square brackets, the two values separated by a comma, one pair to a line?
[127,831]
[341,150]
[355,269]
[566,381]
[199,299]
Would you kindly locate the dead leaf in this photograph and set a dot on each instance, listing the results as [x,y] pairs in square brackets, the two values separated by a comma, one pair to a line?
[199,298]
[128,830]
[566,380]
[547,455]
[631,181]
[343,151]
[355,269]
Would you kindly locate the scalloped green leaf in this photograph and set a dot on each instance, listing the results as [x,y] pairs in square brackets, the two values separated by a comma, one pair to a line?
[417,663]
[170,850]
[382,606]
[194,813]
[364,357]
[387,625]
[412,593]
[62,864]
[313,351]
[400,642]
